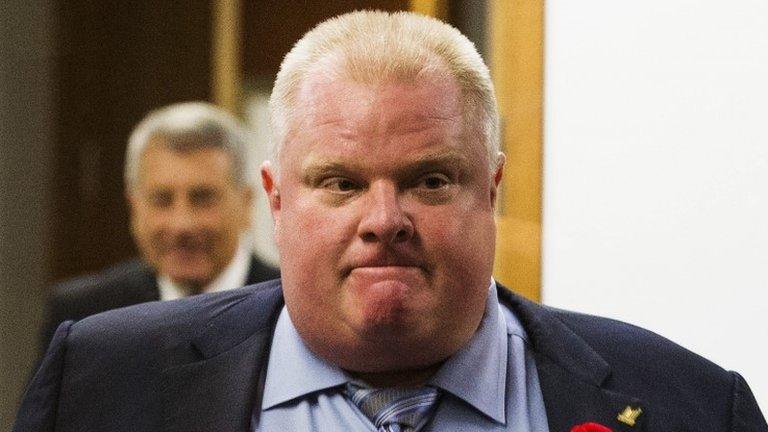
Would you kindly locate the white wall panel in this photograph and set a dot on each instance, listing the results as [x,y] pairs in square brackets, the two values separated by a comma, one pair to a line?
[656,171]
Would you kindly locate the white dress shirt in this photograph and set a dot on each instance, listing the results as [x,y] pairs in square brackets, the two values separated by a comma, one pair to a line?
[234,276]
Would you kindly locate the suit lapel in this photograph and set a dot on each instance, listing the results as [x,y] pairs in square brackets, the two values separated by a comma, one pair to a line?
[218,389]
[572,375]
[150,287]
[258,271]
[141,286]
[216,394]
[570,401]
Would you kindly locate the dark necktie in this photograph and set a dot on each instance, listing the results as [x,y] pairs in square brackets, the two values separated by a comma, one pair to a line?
[395,409]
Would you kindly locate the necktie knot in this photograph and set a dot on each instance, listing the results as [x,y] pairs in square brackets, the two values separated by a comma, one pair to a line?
[395,409]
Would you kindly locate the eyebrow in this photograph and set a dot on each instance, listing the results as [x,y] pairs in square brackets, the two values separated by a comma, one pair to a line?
[322,167]
[451,159]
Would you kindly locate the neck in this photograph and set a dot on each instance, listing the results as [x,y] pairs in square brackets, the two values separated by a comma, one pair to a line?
[190,287]
[404,378]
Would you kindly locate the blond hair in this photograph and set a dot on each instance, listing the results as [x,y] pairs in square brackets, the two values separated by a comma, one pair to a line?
[373,46]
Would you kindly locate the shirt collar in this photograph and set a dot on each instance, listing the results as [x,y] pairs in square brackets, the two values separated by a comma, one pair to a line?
[476,373]
[295,370]
[234,275]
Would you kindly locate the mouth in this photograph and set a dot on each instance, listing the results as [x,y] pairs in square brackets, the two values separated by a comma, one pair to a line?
[384,263]
[184,252]
[184,246]
[384,266]
[386,271]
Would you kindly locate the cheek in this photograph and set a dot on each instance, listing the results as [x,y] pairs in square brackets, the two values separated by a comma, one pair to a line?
[148,224]
[312,241]
[463,257]
[222,220]
[232,221]
[227,233]
[447,225]
[461,240]
[315,229]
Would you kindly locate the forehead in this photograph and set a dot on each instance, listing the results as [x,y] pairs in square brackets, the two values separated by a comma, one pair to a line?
[407,104]
[161,163]
[392,128]
[337,114]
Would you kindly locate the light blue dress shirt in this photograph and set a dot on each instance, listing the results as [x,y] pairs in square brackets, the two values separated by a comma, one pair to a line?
[489,385]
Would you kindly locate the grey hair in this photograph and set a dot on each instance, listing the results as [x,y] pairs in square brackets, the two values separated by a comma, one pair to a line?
[373,46]
[190,126]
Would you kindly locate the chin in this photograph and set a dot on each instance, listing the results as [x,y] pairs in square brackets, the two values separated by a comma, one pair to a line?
[187,269]
[384,314]
[388,356]
[395,331]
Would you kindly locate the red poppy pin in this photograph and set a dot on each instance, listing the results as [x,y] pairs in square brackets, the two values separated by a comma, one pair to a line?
[590,427]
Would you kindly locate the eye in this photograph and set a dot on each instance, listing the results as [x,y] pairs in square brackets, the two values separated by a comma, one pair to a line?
[338,184]
[433,181]
[203,197]
[160,199]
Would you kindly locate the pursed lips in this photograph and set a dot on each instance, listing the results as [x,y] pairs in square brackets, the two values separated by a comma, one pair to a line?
[385,272]
[385,265]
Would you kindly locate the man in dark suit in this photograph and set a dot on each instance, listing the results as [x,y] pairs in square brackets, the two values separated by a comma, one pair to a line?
[190,196]
[386,317]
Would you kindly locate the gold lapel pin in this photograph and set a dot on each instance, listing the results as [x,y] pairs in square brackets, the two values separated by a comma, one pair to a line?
[629,415]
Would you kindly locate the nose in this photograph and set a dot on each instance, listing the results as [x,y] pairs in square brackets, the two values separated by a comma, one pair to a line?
[383,218]
[182,218]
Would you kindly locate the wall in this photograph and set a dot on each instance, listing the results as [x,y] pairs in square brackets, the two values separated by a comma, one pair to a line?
[25,136]
[656,171]
[115,61]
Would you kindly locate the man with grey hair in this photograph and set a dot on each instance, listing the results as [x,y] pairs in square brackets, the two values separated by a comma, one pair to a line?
[382,188]
[189,190]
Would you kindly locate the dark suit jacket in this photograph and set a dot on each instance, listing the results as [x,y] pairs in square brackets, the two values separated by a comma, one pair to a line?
[195,365]
[125,284]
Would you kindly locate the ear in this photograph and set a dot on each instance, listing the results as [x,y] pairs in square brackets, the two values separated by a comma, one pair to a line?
[496,183]
[272,189]
[131,198]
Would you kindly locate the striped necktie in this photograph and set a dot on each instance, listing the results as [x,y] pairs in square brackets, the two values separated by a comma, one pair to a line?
[395,409]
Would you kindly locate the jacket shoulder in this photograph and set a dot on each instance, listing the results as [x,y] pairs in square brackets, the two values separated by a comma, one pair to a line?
[124,284]
[625,347]
[624,343]
[158,325]
[626,359]
[109,282]
[655,368]
[668,375]
[115,366]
